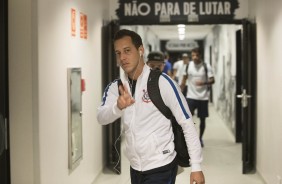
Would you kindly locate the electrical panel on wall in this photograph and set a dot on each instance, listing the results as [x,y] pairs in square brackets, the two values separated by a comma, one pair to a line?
[75,117]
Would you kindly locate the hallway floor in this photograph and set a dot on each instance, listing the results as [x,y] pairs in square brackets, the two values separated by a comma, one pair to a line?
[222,159]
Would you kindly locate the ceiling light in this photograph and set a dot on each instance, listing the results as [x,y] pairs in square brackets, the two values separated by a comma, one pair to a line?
[181,31]
[181,26]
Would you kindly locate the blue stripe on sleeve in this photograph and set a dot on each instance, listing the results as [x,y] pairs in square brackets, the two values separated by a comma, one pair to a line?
[177,95]
[106,92]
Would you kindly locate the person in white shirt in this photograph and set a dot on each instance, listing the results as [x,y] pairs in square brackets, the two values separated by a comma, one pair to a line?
[200,78]
[179,71]
[148,133]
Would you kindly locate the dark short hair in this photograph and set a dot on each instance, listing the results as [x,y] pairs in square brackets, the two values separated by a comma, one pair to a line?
[196,50]
[155,56]
[136,39]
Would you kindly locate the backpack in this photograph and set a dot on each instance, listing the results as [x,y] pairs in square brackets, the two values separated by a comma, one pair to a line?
[182,156]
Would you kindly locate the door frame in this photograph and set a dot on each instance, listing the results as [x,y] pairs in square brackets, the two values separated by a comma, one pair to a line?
[238,113]
[249,83]
[112,131]
[248,130]
[5,177]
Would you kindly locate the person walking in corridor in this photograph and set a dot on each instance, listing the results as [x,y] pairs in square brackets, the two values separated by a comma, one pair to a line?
[168,66]
[200,78]
[148,133]
[179,68]
[156,61]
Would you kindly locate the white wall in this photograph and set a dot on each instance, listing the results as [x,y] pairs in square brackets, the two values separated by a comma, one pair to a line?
[223,45]
[268,16]
[41,49]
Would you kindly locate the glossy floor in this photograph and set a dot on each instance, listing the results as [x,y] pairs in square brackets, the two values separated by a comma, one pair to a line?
[222,159]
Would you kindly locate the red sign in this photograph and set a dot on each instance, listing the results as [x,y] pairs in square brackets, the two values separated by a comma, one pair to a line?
[83,26]
[73,25]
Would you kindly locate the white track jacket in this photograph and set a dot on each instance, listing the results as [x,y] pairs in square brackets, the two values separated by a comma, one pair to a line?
[148,133]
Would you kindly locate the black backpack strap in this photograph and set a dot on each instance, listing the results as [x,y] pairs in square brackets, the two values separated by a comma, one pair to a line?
[187,66]
[206,72]
[155,94]
[119,83]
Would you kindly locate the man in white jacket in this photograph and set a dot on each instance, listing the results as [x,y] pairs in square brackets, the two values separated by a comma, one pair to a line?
[148,133]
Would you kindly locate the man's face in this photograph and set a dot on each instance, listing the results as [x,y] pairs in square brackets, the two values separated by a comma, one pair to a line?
[127,55]
[156,65]
[196,57]
[185,59]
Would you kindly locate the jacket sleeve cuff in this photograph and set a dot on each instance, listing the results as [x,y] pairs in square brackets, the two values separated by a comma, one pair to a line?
[196,167]
[116,110]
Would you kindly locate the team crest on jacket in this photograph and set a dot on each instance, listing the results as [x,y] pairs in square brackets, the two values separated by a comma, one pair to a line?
[145,96]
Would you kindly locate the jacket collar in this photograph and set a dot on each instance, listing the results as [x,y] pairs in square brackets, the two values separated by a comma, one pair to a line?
[145,72]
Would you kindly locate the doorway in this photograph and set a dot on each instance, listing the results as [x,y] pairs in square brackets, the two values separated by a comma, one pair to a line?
[244,51]
[111,132]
